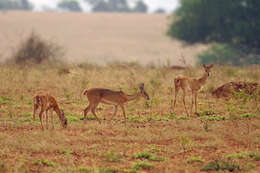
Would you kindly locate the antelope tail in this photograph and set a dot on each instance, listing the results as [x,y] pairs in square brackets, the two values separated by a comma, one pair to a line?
[37,99]
[177,82]
[85,92]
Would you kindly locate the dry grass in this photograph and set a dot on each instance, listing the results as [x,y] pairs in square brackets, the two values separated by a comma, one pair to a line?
[98,38]
[155,139]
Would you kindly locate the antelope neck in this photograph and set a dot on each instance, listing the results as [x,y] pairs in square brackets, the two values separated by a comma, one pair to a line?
[203,79]
[58,112]
[132,97]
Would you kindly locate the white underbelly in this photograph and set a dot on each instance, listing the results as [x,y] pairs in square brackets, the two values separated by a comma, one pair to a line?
[109,102]
[187,88]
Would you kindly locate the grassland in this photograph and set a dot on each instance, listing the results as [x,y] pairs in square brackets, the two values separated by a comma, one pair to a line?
[98,38]
[155,139]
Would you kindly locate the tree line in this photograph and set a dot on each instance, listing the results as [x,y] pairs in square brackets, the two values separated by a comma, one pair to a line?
[15,5]
[74,5]
[233,26]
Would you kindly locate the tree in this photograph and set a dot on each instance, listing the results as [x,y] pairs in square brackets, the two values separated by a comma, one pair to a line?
[140,7]
[159,11]
[15,4]
[26,5]
[109,5]
[70,5]
[117,6]
[6,4]
[235,23]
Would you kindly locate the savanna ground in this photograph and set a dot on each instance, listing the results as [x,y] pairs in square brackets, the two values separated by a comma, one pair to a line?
[154,139]
[226,135]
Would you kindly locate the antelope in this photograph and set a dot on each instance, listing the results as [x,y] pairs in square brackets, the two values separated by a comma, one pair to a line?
[48,102]
[187,83]
[110,97]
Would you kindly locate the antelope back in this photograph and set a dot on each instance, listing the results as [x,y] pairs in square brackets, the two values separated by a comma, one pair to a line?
[95,95]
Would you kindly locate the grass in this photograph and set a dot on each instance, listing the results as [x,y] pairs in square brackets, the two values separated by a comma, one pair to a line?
[221,166]
[154,139]
[148,156]
[195,160]
[143,165]
[111,156]
[45,162]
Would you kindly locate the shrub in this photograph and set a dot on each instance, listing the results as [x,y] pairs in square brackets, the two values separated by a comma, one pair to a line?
[35,49]
[237,156]
[143,155]
[213,118]
[222,54]
[256,157]
[143,165]
[249,115]
[220,165]
[149,156]
[108,170]
[195,160]
[82,169]
[111,156]
[45,162]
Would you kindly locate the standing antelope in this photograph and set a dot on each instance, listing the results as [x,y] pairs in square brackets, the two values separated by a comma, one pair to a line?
[187,83]
[48,102]
[106,96]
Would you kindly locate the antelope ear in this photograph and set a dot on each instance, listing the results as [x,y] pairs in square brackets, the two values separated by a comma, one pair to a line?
[204,65]
[211,65]
[141,86]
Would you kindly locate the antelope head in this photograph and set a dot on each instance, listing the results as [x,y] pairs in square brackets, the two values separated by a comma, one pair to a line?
[207,68]
[64,121]
[143,93]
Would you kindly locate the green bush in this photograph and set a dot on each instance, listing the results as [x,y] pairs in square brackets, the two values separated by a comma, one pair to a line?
[238,156]
[45,162]
[222,54]
[111,156]
[83,169]
[213,118]
[143,165]
[195,160]
[256,157]
[149,156]
[220,165]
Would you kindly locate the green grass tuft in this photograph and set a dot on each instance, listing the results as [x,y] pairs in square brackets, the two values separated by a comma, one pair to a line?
[143,165]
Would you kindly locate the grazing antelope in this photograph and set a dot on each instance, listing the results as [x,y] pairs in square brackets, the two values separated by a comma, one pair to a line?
[48,102]
[106,96]
[187,83]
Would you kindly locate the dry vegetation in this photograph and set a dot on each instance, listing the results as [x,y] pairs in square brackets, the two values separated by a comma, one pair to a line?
[225,136]
[98,38]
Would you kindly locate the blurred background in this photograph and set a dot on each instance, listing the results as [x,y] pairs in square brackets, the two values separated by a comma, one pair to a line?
[144,6]
[172,32]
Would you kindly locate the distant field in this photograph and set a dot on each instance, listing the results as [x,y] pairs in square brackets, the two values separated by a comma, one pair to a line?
[98,38]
